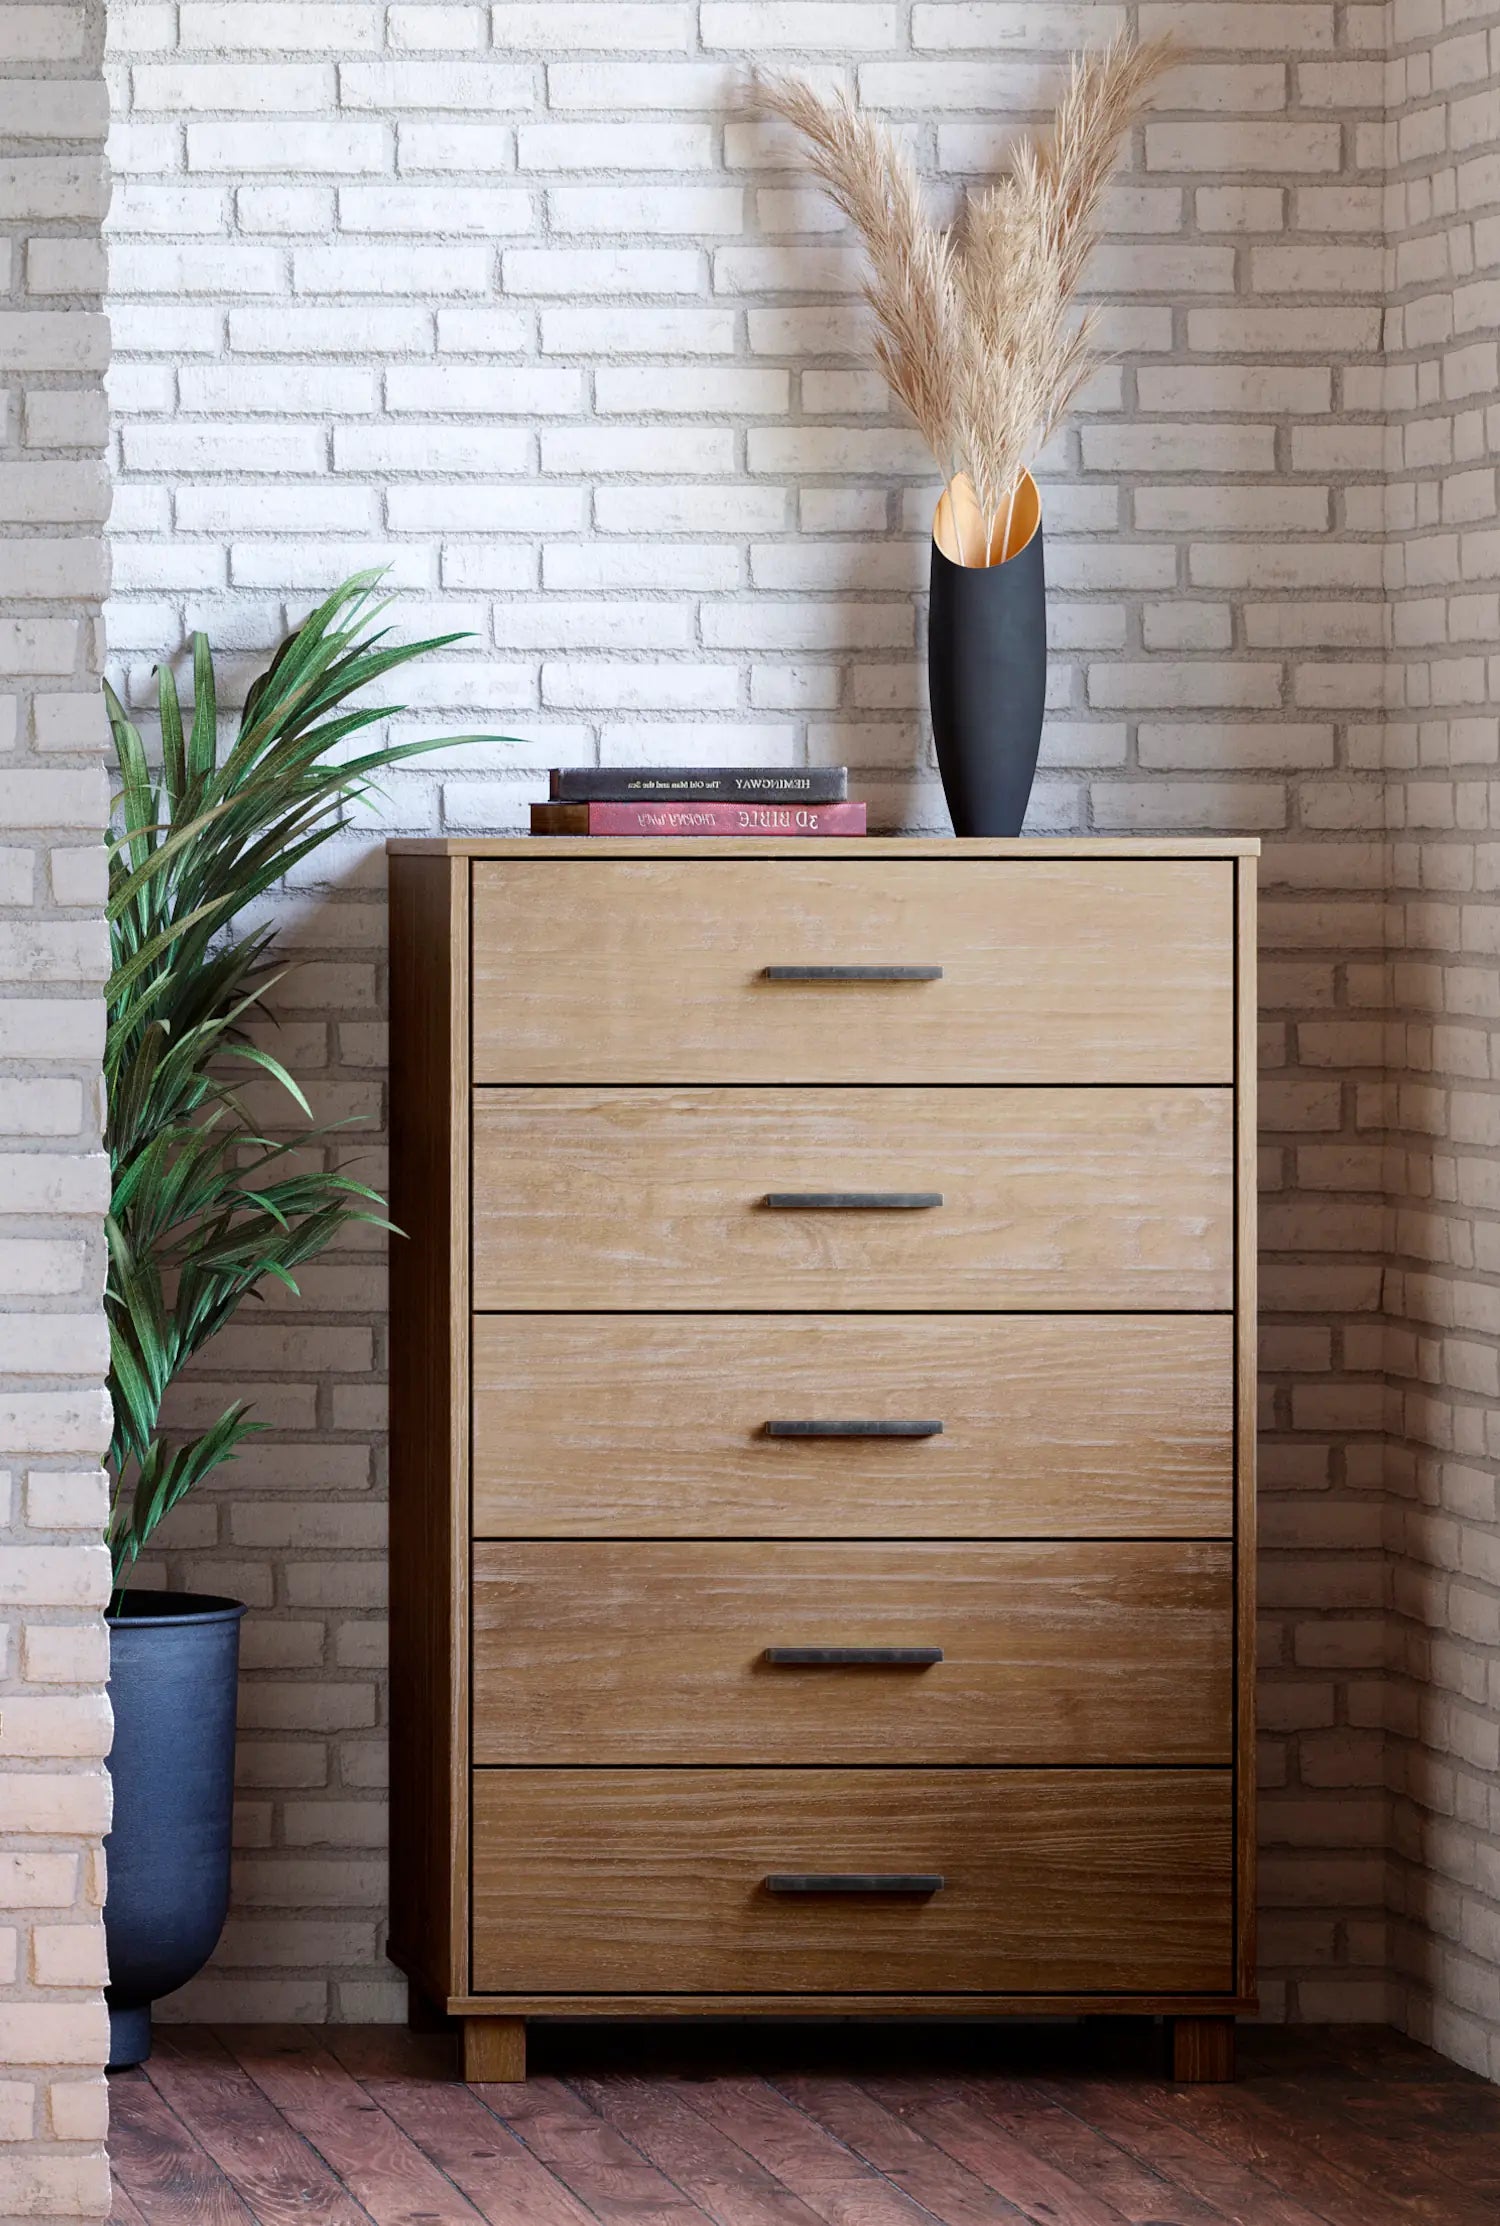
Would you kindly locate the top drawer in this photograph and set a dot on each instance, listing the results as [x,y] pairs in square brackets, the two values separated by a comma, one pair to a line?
[654,970]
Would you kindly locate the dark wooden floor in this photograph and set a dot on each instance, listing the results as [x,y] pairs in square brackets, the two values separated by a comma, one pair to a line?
[1059,2126]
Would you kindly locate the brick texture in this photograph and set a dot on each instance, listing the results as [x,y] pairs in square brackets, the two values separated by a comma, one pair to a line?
[54,1721]
[517,301]
[1441,1110]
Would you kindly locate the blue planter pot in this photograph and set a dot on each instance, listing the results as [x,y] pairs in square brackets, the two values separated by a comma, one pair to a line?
[173,1673]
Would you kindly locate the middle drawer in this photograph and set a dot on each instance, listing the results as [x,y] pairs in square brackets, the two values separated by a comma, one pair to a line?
[1094,1651]
[689,1425]
[733,1199]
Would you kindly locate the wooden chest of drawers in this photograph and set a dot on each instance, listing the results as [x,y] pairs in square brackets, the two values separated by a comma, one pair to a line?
[822,1431]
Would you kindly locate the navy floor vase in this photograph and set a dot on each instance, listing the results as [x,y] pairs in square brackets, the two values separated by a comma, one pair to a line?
[987,675]
[173,1669]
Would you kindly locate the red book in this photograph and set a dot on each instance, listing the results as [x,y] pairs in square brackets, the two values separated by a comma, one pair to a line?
[697,819]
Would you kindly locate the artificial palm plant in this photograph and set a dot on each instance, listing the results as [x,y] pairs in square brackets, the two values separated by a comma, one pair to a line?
[205,1207]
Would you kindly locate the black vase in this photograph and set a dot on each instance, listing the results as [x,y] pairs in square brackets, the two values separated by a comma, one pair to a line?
[987,680]
[173,1670]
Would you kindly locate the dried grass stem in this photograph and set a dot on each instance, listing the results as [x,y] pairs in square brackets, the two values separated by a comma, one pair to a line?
[975,329]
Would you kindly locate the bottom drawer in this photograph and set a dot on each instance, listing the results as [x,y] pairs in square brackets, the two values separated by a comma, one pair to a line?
[655,1881]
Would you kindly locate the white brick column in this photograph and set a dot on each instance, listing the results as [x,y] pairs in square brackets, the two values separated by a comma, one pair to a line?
[1442,749]
[54,1726]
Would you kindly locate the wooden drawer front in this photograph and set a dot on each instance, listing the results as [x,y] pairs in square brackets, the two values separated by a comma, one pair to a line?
[617,970]
[641,1199]
[1108,1652]
[1054,1426]
[652,1881]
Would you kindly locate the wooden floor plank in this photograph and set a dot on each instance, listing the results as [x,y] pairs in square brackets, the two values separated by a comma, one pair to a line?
[413,2079]
[952,2122]
[122,2209]
[1429,2123]
[168,2177]
[1118,2109]
[1228,2118]
[1307,2050]
[839,2187]
[928,2175]
[281,2177]
[612,2180]
[723,2179]
[379,2166]
[349,2126]
[1409,2168]
[1460,2124]
[1376,2052]
[1137,2188]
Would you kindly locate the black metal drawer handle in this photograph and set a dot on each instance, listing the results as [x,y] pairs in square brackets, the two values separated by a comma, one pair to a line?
[852,973]
[855,1882]
[854,1429]
[853,1201]
[840,1657]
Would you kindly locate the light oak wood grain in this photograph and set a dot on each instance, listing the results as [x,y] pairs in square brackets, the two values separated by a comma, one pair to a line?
[1066,1652]
[494,2050]
[1054,1426]
[1018,850]
[628,1315]
[1114,1882]
[639,1199]
[651,970]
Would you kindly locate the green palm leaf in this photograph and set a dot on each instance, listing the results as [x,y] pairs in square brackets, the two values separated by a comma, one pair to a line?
[205,1209]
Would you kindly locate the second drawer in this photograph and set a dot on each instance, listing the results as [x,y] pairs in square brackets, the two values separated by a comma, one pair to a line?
[1114,1651]
[824,1199]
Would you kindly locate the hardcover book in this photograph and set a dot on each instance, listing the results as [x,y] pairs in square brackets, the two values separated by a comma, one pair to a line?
[730,784]
[697,819]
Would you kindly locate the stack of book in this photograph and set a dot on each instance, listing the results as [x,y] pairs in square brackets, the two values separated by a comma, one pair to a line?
[699,800]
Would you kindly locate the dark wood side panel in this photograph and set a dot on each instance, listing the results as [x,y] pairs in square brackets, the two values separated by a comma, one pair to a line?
[1245,1299]
[429,1421]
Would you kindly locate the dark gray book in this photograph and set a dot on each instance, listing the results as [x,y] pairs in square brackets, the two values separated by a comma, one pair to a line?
[700,784]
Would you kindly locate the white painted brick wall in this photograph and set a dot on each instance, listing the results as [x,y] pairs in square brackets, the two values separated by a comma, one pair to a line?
[538,319]
[515,299]
[1441,1108]
[54,1723]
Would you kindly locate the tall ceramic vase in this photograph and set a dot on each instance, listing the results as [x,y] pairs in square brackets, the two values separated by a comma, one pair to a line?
[173,1666]
[987,659]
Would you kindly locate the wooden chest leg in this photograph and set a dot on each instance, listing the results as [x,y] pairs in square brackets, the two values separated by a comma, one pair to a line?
[1202,2049]
[494,2049]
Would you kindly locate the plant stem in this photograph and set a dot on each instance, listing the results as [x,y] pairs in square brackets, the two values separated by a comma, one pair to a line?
[958,542]
[1010,512]
[111,1536]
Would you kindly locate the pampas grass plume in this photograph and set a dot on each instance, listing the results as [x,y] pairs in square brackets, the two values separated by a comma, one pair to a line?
[977,334]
